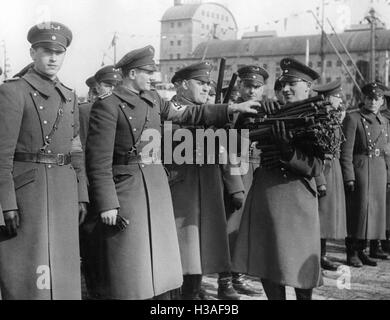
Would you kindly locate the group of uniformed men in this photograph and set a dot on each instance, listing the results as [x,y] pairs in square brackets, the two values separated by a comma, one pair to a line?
[74,183]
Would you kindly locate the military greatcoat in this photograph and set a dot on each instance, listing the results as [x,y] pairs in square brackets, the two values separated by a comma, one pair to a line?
[363,161]
[332,205]
[143,260]
[42,261]
[199,208]
[279,237]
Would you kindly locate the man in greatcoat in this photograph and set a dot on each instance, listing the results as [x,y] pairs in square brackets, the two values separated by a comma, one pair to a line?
[279,238]
[42,180]
[330,185]
[365,162]
[198,198]
[252,79]
[104,81]
[140,257]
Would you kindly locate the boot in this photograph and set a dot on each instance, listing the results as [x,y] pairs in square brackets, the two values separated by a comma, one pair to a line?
[386,243]
[326,264]
[376,251]
[190,289]
[242,286]
[352,255]
[363,256]
[273,291]
[303,294]
[225,288]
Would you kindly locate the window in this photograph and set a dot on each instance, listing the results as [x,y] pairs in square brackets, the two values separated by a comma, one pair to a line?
[349,80]
[212,14]
[179,24]
[328,80]
[171,69]
[217,15]
[338,78]
[179,42]
[202,25]
[171,56]
[207,27]
[178,55]
[172,43]
[339,63]
[310,64]
[172,24]
[177,68]
[349,63]
[208,14]
[202,12]
[265,66]
[319,64]
[329,64]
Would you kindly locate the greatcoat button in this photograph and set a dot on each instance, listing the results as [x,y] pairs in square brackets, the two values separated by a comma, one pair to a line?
[49,166]
[44,122]
[48,151]
[40,107]
[134,129]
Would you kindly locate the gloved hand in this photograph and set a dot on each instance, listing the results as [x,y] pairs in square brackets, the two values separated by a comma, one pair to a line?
[83,211]
[238,200]
[321,191]
[270,106]
[349,186]
[12,222]
[282,138]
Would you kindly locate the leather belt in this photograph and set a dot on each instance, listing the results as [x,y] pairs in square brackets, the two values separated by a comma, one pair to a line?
[372,153]
[59,159]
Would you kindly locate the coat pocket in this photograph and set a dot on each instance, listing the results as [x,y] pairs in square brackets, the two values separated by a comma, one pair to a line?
[25,178]
[122,172]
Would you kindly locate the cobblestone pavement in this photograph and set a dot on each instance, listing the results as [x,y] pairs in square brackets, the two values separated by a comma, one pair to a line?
[367,283]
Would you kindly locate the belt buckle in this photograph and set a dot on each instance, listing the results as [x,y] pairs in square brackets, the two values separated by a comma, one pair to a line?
[377,152]
[60,159]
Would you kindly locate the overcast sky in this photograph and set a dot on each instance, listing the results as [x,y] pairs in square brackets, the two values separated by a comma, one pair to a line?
[93,23]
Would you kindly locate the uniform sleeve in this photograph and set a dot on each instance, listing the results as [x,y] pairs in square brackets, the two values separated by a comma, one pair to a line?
[387,153]
[2,223]
[78,158]
[320,180]
[207,115]
[346,157]
[305,165]
[99,156]
[11,114]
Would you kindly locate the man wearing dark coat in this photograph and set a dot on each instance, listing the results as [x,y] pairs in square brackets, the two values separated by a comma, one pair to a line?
[42,180]
[140,257]
[279,238]
[330,185]
[198,198]
[365,162]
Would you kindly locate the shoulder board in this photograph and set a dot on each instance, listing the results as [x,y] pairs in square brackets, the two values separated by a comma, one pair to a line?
[66,87]
[12,79]
[103,96]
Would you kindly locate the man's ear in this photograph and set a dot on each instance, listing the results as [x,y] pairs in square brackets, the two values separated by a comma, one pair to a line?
[132,74]
[32,53]
[184,85]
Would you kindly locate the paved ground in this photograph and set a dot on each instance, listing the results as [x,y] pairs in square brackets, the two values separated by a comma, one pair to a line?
[367,283]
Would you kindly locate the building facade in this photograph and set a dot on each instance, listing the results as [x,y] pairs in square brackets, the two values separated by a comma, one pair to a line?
[185,26]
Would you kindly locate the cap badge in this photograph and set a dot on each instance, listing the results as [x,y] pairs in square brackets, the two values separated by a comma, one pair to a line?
[53,38]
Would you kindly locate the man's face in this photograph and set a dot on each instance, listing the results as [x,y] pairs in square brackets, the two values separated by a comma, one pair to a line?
[373,104]
[295,90]
[104,88]
[196,91]
[47,61]
[142,79]
[250,91]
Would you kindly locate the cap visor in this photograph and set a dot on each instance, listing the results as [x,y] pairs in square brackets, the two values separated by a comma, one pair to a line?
[149,67]
[51,45]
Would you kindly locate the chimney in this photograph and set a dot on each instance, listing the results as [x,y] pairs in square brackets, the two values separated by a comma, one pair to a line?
[177,3]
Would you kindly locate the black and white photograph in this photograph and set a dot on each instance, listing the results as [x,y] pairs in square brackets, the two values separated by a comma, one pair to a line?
[221,151]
